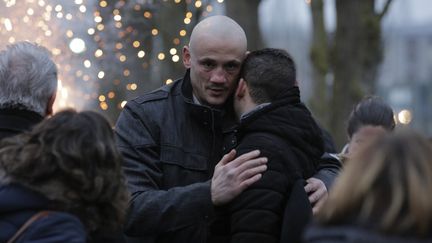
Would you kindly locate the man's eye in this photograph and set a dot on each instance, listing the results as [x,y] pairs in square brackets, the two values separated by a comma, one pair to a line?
[208,65]
[231,67]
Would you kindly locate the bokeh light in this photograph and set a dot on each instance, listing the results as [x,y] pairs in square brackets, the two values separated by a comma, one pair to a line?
[105,50]
[405,117]
[77,45]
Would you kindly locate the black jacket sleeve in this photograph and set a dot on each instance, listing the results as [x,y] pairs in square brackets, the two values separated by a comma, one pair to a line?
[328,169]
[153,210]
[329,165]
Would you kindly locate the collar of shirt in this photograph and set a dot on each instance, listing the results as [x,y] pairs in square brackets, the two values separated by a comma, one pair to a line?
[257,108]
[195,100]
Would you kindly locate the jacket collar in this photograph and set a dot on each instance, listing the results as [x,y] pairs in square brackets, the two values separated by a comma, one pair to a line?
[14,197]
[18,121]
[291,97]
[208,116]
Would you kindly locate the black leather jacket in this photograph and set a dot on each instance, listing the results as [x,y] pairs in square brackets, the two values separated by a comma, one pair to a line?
[170,147]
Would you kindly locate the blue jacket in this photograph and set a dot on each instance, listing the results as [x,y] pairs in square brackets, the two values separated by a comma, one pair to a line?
[18,204]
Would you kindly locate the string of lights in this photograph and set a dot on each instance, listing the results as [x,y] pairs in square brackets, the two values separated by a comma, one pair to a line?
[106,51]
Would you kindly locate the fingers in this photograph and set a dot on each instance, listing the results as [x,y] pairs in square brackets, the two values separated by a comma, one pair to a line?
[231,176]
[252,171]
[246,183]
[227,158]
[316,190]
[317,207]
[252,163]
[316,196]
[311,186]
[245,157]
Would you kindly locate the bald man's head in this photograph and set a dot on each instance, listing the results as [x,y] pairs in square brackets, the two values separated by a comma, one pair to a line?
[217,47]
[218,27]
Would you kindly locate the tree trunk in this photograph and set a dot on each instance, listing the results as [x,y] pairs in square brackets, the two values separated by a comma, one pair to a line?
[320,62]
[347,65]
[355,55]
[245,13]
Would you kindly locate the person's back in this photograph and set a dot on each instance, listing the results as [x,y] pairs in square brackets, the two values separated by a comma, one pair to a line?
[272,119]
[389,183]
[28,85]
[18,204]
[66,172]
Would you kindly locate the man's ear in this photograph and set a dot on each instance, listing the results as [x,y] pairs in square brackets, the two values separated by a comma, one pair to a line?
[50,104]
[241,88]
[186,57]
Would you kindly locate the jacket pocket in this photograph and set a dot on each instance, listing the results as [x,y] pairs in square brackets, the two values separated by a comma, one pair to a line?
[182,167]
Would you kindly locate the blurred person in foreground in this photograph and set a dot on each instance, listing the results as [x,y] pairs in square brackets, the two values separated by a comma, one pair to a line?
[64,179]
[383,195]
[28,86]
[274,120]
[172,141]
[370,119]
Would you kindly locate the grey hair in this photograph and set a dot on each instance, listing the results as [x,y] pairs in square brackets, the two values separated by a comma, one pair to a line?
[28,77]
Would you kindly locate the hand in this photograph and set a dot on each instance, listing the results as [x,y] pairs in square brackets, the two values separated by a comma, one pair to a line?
[233,175]
[317,192]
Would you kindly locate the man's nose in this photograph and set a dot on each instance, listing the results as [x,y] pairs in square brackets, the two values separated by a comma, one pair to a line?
[218,76]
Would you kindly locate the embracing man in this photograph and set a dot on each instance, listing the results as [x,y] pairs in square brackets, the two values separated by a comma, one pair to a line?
[172,140]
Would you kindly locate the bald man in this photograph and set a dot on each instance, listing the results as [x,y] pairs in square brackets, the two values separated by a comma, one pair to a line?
[172,141]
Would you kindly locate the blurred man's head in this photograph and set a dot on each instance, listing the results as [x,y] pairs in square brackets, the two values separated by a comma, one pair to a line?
[266,75]
[216,50]
[369,120]
[28,78]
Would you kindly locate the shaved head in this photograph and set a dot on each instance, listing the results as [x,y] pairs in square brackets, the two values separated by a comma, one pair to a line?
[218,28]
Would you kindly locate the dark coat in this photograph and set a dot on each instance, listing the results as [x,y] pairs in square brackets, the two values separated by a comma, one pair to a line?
[14,121]
[18,204]
[170,147]
[352,234]
[285,132]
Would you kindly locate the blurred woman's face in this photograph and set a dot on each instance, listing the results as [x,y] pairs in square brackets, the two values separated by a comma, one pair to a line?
[363,137]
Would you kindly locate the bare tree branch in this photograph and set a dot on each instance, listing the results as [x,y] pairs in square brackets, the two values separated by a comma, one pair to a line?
[385,9]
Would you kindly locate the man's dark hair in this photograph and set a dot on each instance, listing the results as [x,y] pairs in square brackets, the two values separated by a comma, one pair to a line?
[268,72]
[372,111]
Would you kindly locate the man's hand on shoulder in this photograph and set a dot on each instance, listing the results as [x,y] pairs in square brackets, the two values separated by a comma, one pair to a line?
[317,192]
[233,175]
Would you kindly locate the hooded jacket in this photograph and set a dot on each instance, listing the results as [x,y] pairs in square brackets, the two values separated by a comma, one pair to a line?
[285,132]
